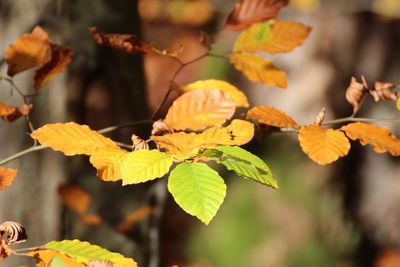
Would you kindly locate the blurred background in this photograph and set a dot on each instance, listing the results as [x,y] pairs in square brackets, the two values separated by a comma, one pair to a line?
[346,214]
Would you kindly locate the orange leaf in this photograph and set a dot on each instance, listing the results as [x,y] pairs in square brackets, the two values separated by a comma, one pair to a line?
[272,117]
[6,110]
[10,114]
[71,138]
[323,145]
[129,221]
[91,219]
[7,176]
[125,42]
[30,51]
[259,69]
[247,12]
[44,257]
[198,110]
[75,198]
[107,160]
[273,36]
[381,139]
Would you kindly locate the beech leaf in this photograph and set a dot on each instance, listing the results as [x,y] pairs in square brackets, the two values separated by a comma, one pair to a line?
[272,117]
[259,69]
[381,139]
[7,176]
[107,160]
[75,198]
[323,145]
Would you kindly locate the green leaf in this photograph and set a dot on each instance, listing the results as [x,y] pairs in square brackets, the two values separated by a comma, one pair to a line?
[57,262]
[144,165]
[197,189]
[246,164]
[84,252]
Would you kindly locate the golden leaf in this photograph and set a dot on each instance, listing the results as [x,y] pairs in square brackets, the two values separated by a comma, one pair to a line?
[238,96]
[107,160]
[75,198]
[176,142]
[273,36]
[323,145]
[44,257]
[132,218]
[259,69]
[7,176]
[198,110]
[272,117]
[381,139]
[71,138]
[247,12]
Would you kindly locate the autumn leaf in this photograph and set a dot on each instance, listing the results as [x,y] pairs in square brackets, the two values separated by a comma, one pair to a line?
[323,145]
[107,160]
[272,117]
[238,96]
[10,114]
[71,138]
[381,139]
[383,91]
[91,219]
[75,198]
[272,36]
[198,110]
[247,12]
[7,176]
[354,93]
[132,218]
[259,69]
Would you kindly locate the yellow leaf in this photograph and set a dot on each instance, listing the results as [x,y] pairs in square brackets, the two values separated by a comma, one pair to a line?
[75,198]
[381,139]
[238,96]
[258,69]
[7,176]
[323,145]
[198,110]
[398,103]
[71,138]
[239,132]
[272,117]
[107,160]
[272,36]
[45,257]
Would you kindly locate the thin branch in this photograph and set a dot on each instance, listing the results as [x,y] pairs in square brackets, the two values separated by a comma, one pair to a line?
[22,153]
[125,125]
[355,119]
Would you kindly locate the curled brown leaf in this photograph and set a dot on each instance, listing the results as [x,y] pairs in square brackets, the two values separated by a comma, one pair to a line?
[354,93]
[320,117]
[138,143]
[383,91]
[15,232]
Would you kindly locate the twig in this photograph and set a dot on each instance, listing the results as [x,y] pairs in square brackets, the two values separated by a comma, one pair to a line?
[22,153]
[125,125]
[355,119]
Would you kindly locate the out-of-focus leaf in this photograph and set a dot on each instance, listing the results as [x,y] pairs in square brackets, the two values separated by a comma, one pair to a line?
[193,13]
[71,138]
[144,165]
[259,69]
[107,160]
[272,117]
[323,145]
[247,12]
[197,189]
[388,8]
[75,198]
[398,103]
[7,176]
[198,110]
[91,219]
[306,5]
[132,218]
[272,36]
[381,139]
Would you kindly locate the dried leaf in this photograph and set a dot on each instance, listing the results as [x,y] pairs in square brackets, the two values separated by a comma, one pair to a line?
[198,110]
[132,218]
[91,219]
[160,128]
[388,258]
[383,91]
[5,250]
[100,263]
[138,143]
[323,145]
[320,117]
[7,176]
[354,93]
[75,198]
[247,12]
[6,110]
[381,139]
[15,232]
[259,69]
[273,36]
[71,138]
[272,117]
[125,42]
[107,160]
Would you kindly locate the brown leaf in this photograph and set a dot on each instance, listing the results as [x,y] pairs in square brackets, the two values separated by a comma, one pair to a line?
[5,250]
[320,117]
[383,91]
[160,128]
[15,232]
[323,145]
[247,12]
[354,93]
[10,114]
[75,198]
[272,117]
[91,219]
[381,139]
[100,263]
[132,218]
[107,160]
[138,143]
[125,42]
[206,40]
[7,176]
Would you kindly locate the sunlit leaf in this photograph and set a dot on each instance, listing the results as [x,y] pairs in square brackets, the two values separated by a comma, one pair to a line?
[7,176]
[259,69]
[247,12]
[238,96]
[323,145]
[107,160]
[176,143]
[381,139]
[45,257]
[198,110]
[144,165]
[75,198]
[197,189]
[272,36]
[272,117]
[71,138]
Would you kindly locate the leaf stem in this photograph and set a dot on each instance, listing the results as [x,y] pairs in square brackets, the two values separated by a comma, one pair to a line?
[355,119]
